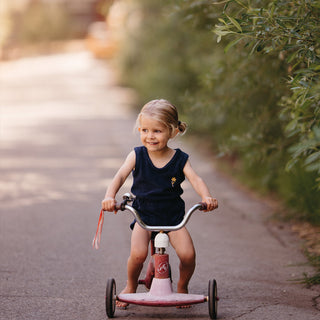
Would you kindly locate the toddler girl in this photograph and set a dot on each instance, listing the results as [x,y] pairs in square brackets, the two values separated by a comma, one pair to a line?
[158,172]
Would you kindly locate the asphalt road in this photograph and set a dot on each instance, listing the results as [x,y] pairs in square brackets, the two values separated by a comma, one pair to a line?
[65,129]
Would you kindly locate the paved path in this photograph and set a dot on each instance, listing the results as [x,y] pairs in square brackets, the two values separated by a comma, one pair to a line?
[65,129]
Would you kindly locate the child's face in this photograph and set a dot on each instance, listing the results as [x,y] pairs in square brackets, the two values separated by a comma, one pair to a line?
[153,134]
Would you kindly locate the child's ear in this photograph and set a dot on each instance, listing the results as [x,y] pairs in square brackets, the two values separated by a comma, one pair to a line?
[174,133]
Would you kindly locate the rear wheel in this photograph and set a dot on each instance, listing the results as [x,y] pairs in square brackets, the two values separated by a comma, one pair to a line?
[110,297]
[213,299]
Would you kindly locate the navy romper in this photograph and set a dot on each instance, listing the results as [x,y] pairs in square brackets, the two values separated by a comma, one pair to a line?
[158,190]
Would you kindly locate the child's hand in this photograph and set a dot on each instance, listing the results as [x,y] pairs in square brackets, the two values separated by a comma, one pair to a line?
[212,203]
[109,204]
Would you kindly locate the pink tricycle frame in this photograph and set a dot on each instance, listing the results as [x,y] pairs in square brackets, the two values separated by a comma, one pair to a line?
[158,275]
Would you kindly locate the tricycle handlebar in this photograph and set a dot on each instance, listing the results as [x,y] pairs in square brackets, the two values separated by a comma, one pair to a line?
[124,206]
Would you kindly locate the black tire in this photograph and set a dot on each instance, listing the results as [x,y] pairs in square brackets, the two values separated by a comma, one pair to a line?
[213,299]
[110,297]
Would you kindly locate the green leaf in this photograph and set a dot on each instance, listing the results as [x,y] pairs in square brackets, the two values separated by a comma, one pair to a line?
[235,23]
[292,56]
[290,164]
[231,44]
[313,157]
[313,167]
[291,125]
[241,4]
[221,20]
[255,47]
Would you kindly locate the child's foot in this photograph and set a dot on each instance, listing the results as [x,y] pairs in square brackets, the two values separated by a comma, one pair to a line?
[185,306]
[121,304]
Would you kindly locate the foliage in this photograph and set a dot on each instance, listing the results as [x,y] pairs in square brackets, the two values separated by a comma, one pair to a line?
[311,280]
[292,30]
[230,98]
[157,62]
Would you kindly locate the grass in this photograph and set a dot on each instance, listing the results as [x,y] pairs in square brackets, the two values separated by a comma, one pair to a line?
[314,260]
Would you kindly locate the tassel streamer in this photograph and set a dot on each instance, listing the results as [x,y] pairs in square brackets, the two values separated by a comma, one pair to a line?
[97,237]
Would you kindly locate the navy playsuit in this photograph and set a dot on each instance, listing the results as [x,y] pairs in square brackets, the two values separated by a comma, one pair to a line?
[158,190]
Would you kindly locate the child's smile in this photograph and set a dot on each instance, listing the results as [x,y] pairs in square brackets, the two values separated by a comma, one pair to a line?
[154,134]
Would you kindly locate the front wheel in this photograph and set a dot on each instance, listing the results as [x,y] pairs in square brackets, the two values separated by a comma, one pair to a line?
[110,297]
[213,299]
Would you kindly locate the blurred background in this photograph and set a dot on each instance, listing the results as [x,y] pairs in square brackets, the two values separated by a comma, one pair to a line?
[236,102]
[30,26]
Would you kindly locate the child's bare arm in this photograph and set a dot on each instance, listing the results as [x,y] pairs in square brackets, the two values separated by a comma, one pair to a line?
[200,187]
[109,202]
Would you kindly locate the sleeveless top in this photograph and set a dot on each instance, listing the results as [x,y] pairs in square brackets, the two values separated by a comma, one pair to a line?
[158,190]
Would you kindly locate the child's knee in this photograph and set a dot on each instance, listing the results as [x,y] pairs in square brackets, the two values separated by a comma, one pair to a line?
[138,256]
[188,258]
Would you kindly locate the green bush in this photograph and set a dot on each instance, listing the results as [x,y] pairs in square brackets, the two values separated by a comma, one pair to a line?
[232,99]
[292,30]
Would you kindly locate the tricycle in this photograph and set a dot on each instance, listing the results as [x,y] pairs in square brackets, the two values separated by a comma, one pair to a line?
[158,275]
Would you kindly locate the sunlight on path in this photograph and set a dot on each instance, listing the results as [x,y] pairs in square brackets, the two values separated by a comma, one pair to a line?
[41,100]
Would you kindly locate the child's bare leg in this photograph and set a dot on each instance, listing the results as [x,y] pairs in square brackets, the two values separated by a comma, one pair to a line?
[186,272]
[139,250]
[183,245]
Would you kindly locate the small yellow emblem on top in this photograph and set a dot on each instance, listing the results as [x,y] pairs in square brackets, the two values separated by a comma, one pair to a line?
[173,181]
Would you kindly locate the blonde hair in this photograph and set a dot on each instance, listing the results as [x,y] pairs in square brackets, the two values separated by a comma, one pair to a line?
[165,112]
